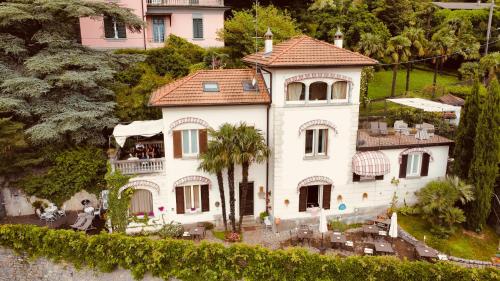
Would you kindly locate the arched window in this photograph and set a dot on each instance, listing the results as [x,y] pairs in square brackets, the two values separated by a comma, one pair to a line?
[296,91]
[141,203]
[339,90]
[318,91]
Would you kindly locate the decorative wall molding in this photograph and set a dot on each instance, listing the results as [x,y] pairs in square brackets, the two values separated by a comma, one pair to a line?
[415,150]
[314,179]
[317,122]
[139,184]
[199,179]
[187,120]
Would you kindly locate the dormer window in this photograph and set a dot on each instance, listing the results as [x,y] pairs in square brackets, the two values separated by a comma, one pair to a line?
[249,87]
[210,87]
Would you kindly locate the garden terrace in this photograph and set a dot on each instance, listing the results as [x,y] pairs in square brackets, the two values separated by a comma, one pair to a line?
[393,140]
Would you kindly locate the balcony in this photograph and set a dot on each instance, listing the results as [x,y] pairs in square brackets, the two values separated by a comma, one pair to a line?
[141,166]
[203,3]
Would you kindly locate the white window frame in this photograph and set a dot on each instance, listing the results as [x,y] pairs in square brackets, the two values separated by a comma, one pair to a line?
[190,139]
[348,90]
[191,199]
[410,165]
[200,17]
[315,144]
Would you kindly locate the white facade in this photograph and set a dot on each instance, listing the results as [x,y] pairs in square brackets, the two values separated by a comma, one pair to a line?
[289,165]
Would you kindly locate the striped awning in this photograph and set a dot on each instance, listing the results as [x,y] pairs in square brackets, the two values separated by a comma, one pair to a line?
[370,164]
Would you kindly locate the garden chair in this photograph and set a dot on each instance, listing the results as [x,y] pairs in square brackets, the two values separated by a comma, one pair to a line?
[382,126]
[401,127]
[80,220]
[62,212]
[429,128]
[87,225]
[374,130]
[268,224]
[368,251]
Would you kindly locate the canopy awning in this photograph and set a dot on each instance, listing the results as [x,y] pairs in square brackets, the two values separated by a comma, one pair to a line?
[137,128]
[429,106]
[370,164]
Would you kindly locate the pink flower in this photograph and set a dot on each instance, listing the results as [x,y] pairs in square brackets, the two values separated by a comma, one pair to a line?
[161,208]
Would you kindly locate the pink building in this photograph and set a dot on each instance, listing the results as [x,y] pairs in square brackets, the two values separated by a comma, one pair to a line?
[195,20]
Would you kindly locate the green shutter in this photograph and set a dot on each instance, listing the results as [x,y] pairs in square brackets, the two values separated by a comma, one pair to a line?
[198,28]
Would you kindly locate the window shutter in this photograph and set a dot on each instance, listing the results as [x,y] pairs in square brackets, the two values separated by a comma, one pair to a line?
[121,29]
[402,166]
[109,30]
[203,141]
[179,199]
[327,195]
[356,177]
[425,165]
[177,144]
[379,177]
[205,201]
[303,199]
[197,28]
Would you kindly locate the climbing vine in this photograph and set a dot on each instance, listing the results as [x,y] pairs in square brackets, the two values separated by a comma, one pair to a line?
[118,205]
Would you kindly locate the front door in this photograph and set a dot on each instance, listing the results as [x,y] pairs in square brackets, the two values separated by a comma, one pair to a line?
[248,208]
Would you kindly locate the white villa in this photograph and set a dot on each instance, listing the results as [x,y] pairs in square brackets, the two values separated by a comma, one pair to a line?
[303,94]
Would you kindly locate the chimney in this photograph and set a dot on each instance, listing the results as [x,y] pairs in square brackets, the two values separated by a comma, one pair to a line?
[268,41]
[339,38]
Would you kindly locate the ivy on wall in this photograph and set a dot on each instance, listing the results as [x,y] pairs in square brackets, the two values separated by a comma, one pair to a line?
[118,205]
[212,261]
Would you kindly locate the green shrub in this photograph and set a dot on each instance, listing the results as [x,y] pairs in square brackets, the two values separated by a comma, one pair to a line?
[73,170]
[185,260]
[263,215]
[171,230]
[208,225]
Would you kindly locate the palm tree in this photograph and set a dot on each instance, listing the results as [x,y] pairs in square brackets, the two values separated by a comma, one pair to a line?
[225,137]
[250,147]
[465,192]
[398,49]
[371,45]
[417,48]
[213,163]
[441,45]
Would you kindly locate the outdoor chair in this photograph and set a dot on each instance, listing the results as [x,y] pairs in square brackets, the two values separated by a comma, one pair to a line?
[349,245]
[429,128]
[267,223]
[87,225]
[401,127]
[383,128]
[368,251]
[80,220]
[62,212]
[45,216]
[374,130]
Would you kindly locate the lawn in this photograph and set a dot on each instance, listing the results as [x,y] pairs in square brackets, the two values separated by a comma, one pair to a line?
[462,244]
[380,86]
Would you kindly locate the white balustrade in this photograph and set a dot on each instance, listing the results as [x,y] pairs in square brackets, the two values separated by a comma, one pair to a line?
[141,166]
[186,2]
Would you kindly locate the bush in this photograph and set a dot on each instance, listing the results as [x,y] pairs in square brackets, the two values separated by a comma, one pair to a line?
[171,230]
[213,261]
[263,215]
[73,170]
[208,225]
[167,61]
[232,237]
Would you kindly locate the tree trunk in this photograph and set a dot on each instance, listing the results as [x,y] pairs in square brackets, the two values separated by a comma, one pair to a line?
[220,181]
[408,70]
[244,188]
[230,177]
[436,67]
[394,76]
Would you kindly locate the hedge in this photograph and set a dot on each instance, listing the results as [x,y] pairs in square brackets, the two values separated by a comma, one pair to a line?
[213,261]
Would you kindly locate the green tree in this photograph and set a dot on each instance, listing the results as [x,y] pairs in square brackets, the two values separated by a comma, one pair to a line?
[367,74]
[398,50]
[466,132]
[441,46]
[250,147]
[417,48]
[57,87]
[396,14]
[118,203]
[239,30]
[371,45]
[213,162]
[437,203]
[484,168]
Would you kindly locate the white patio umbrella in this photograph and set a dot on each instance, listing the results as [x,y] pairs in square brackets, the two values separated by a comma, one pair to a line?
[323,227]
[393,229]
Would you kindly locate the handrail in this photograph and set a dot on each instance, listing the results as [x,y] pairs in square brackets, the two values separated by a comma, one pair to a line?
[141,166]
[185,3]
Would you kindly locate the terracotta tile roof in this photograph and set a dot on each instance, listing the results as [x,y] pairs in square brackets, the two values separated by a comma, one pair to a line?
[188,91]
[306,51]
[452,100]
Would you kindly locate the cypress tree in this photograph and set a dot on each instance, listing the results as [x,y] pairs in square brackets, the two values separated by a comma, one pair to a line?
[466,132]
[484,168]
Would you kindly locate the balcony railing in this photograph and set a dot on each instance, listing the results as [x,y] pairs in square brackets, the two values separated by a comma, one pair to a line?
[142,166]
[186,3]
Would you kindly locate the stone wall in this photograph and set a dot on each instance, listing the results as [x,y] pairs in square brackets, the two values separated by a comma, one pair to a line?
[19,268]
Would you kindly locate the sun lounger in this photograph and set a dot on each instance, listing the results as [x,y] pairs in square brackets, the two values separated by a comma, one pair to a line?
[80,220]
[87,225]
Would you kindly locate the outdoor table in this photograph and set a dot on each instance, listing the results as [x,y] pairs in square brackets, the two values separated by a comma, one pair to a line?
[383,248]
[197,232]
[338,239]
[371,229]
[50,209]
[426,252]
[304,235]
[384,223]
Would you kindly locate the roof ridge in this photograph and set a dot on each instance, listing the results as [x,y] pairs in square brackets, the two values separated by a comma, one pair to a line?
[347,50]
[299,39]
[177,83]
